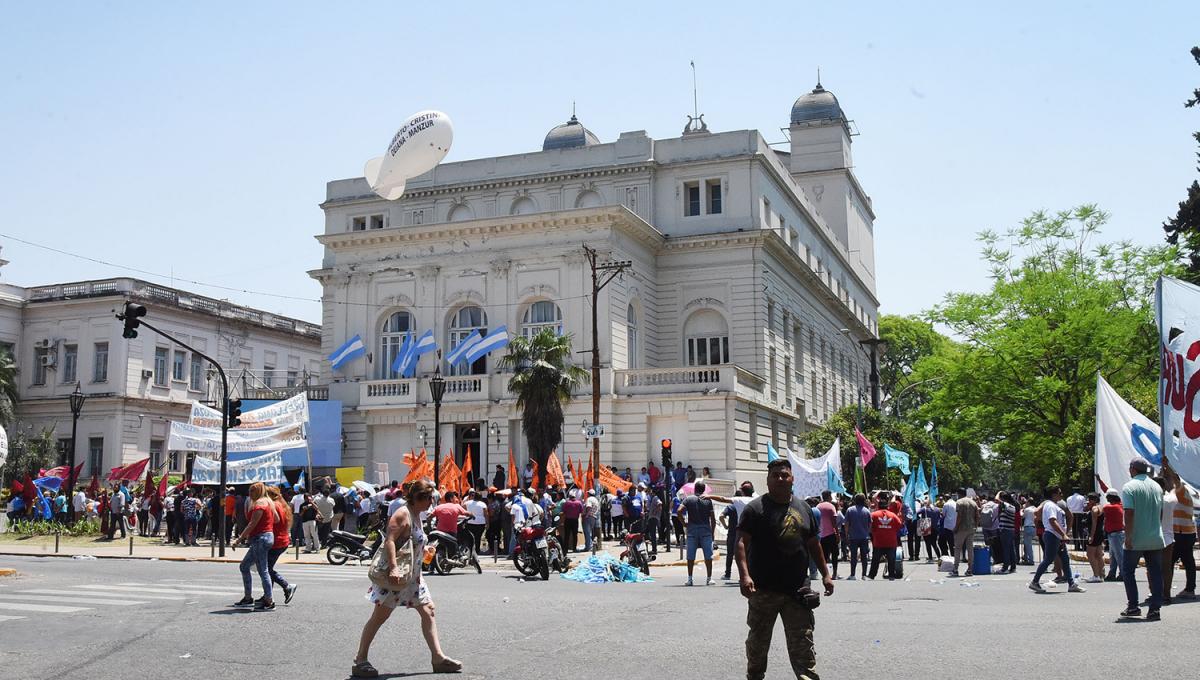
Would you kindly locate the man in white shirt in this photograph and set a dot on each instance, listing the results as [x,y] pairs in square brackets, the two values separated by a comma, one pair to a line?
[79,502]
[591,519]
[1077,506]
[1054,520]
[949,521]
[479,518]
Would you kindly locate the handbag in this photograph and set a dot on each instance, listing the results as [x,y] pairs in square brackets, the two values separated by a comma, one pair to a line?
[378,572]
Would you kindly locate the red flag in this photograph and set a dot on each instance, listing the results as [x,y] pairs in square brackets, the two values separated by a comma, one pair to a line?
[131,472]
[162,486]
[866,450]
[29,492]
[94,487]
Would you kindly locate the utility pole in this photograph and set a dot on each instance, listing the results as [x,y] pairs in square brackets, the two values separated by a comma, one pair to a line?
[602,275]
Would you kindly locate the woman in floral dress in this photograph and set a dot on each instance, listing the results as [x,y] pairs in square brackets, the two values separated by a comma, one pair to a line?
[414,594]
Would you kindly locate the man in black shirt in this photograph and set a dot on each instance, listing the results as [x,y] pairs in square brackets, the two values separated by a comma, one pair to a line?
[776,537]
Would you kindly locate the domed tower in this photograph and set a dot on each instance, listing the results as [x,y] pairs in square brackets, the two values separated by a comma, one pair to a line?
[570,135]
[822,165]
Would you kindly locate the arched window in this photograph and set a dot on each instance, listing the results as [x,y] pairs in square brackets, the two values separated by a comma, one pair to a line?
[589,199]
[462,323]
[631,338]
[706,339]
[541,315]
[395,328]
[459,213]
[523,206]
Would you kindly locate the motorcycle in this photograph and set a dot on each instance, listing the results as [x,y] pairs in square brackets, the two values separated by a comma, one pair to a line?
[538,551]
[636,553]
[453,551]
[344,545]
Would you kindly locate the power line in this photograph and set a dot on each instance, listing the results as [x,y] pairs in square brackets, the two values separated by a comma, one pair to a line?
[247,291]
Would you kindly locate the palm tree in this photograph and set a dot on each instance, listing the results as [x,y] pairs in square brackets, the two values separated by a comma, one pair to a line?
[8,389]
[543,378]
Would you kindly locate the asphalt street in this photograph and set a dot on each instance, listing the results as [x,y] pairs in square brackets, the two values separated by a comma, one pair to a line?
[102,619]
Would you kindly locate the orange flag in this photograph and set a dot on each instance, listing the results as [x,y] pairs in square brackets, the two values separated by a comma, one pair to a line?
[467,468]
[574,473]
[451,475]
[589,477]
[535,473]
[554,473]
[609,480]
[512,471]
[419,468]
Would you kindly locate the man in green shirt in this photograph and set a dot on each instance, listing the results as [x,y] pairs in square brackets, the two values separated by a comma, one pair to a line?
[1142,499]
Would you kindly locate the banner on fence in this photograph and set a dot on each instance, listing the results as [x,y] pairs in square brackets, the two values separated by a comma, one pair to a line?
[187,437]
[267,468]
[292,411]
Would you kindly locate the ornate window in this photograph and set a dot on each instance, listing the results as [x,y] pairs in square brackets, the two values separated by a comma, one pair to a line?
[706,339]
[541,315]
[396,328]
[631,338]
[523,206]
[462,323]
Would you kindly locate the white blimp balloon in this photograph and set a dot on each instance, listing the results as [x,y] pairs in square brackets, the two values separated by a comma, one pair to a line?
[419,145]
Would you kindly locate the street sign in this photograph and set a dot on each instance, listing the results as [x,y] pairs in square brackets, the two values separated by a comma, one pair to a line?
[593,432]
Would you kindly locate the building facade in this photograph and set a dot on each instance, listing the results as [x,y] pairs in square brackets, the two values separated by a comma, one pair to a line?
[752,281]
[66,335]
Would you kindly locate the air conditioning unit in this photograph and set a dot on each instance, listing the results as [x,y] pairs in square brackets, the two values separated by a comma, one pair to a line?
[48,360]
[147,374]
[44,343]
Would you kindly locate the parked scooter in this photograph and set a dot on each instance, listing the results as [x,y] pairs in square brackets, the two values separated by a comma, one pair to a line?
[453,551]
[636,553]
[344,545]
[538,551]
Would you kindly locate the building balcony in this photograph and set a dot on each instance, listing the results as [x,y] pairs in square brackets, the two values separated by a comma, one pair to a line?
[415,391]
[727,379]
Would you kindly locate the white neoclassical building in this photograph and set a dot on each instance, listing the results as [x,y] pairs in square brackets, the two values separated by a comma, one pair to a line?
[753,278]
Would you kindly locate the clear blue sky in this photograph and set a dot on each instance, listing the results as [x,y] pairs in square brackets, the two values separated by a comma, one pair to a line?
[196,138]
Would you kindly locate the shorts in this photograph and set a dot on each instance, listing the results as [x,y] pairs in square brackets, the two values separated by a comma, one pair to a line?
[699,537]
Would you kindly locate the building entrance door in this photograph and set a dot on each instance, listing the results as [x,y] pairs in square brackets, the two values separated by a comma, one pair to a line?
[467,436]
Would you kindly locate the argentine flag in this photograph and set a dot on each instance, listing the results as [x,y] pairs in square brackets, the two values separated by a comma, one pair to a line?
[353,349]
[401,356]
[460,352]
[494,341]
[423,345]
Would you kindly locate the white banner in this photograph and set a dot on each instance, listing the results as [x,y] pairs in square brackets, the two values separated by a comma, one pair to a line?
[381,474]
[267,469]
[292,411]
[3,446]
[1177,306]
[185,437]
[1122,434]
[810,476]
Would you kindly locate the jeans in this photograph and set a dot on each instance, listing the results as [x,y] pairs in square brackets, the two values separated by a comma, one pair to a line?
[1116,553]
[589,532]
[731,539]
[699,537]
[257,554]
[652,533]
[1182,552]
[1008,549]
[116,521]
[884,553]
[829,546]
[1056,547]
[272,558]
[1028,534]
[858,552]
[570,534]
[476,531]
[1153,575]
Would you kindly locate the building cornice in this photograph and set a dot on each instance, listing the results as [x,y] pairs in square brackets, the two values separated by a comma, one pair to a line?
[500,183]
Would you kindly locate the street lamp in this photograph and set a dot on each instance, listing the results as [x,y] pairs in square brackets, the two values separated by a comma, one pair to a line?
[77,398]
[437,389]
[877,345]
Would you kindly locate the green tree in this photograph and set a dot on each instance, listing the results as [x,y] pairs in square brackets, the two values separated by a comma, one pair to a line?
[1183,230]
[1058,312]
[8,389]
[909,340]
[27,455]
[543,379]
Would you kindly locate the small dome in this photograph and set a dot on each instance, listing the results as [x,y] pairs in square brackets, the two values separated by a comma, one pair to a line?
[570,135]
[818,105]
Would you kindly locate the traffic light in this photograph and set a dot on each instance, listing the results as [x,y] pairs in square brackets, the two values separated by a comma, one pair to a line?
[130,316]
[666,454]
[235,413]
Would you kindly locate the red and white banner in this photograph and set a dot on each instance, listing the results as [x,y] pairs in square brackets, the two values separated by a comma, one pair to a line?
[1177,307]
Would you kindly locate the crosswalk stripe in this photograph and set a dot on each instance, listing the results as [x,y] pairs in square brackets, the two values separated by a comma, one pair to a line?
[62,598]
[162,591]
[11,618]
[46,608]
[90,593]
[190,586]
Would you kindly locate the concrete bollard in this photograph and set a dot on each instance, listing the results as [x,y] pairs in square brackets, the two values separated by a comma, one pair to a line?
[131,544]
[56,542]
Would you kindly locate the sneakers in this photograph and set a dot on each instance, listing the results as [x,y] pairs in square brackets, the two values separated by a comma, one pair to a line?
[726,577]
[1076,588]
[264,605]
[1060,579]
[1131,613]
[1036,587]
[1113,579]
[689,581]
[244,602]
[1186,595]
[710,582]
[1093,579]
[1153,615]
[851,577]
[289,592]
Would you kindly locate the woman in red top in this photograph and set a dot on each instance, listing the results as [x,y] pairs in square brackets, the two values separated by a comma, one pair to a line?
[1114,528]
[259,536]
[283,524]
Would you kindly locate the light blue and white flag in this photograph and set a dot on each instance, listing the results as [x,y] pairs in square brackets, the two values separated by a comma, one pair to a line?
[423,345]
[300,481]
[833,481]
[353,349]
[772,454]
[460,352]
[494,341]
[402,356]
[896,459]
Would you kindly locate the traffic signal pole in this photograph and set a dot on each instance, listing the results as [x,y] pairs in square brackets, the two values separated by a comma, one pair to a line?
[132,316]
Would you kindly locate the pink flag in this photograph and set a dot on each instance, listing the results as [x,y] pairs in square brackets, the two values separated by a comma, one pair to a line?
[866,451]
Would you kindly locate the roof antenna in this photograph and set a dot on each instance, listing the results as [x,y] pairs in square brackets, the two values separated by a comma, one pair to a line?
[695,122]
[695,97]
[819,78]
[573,106]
